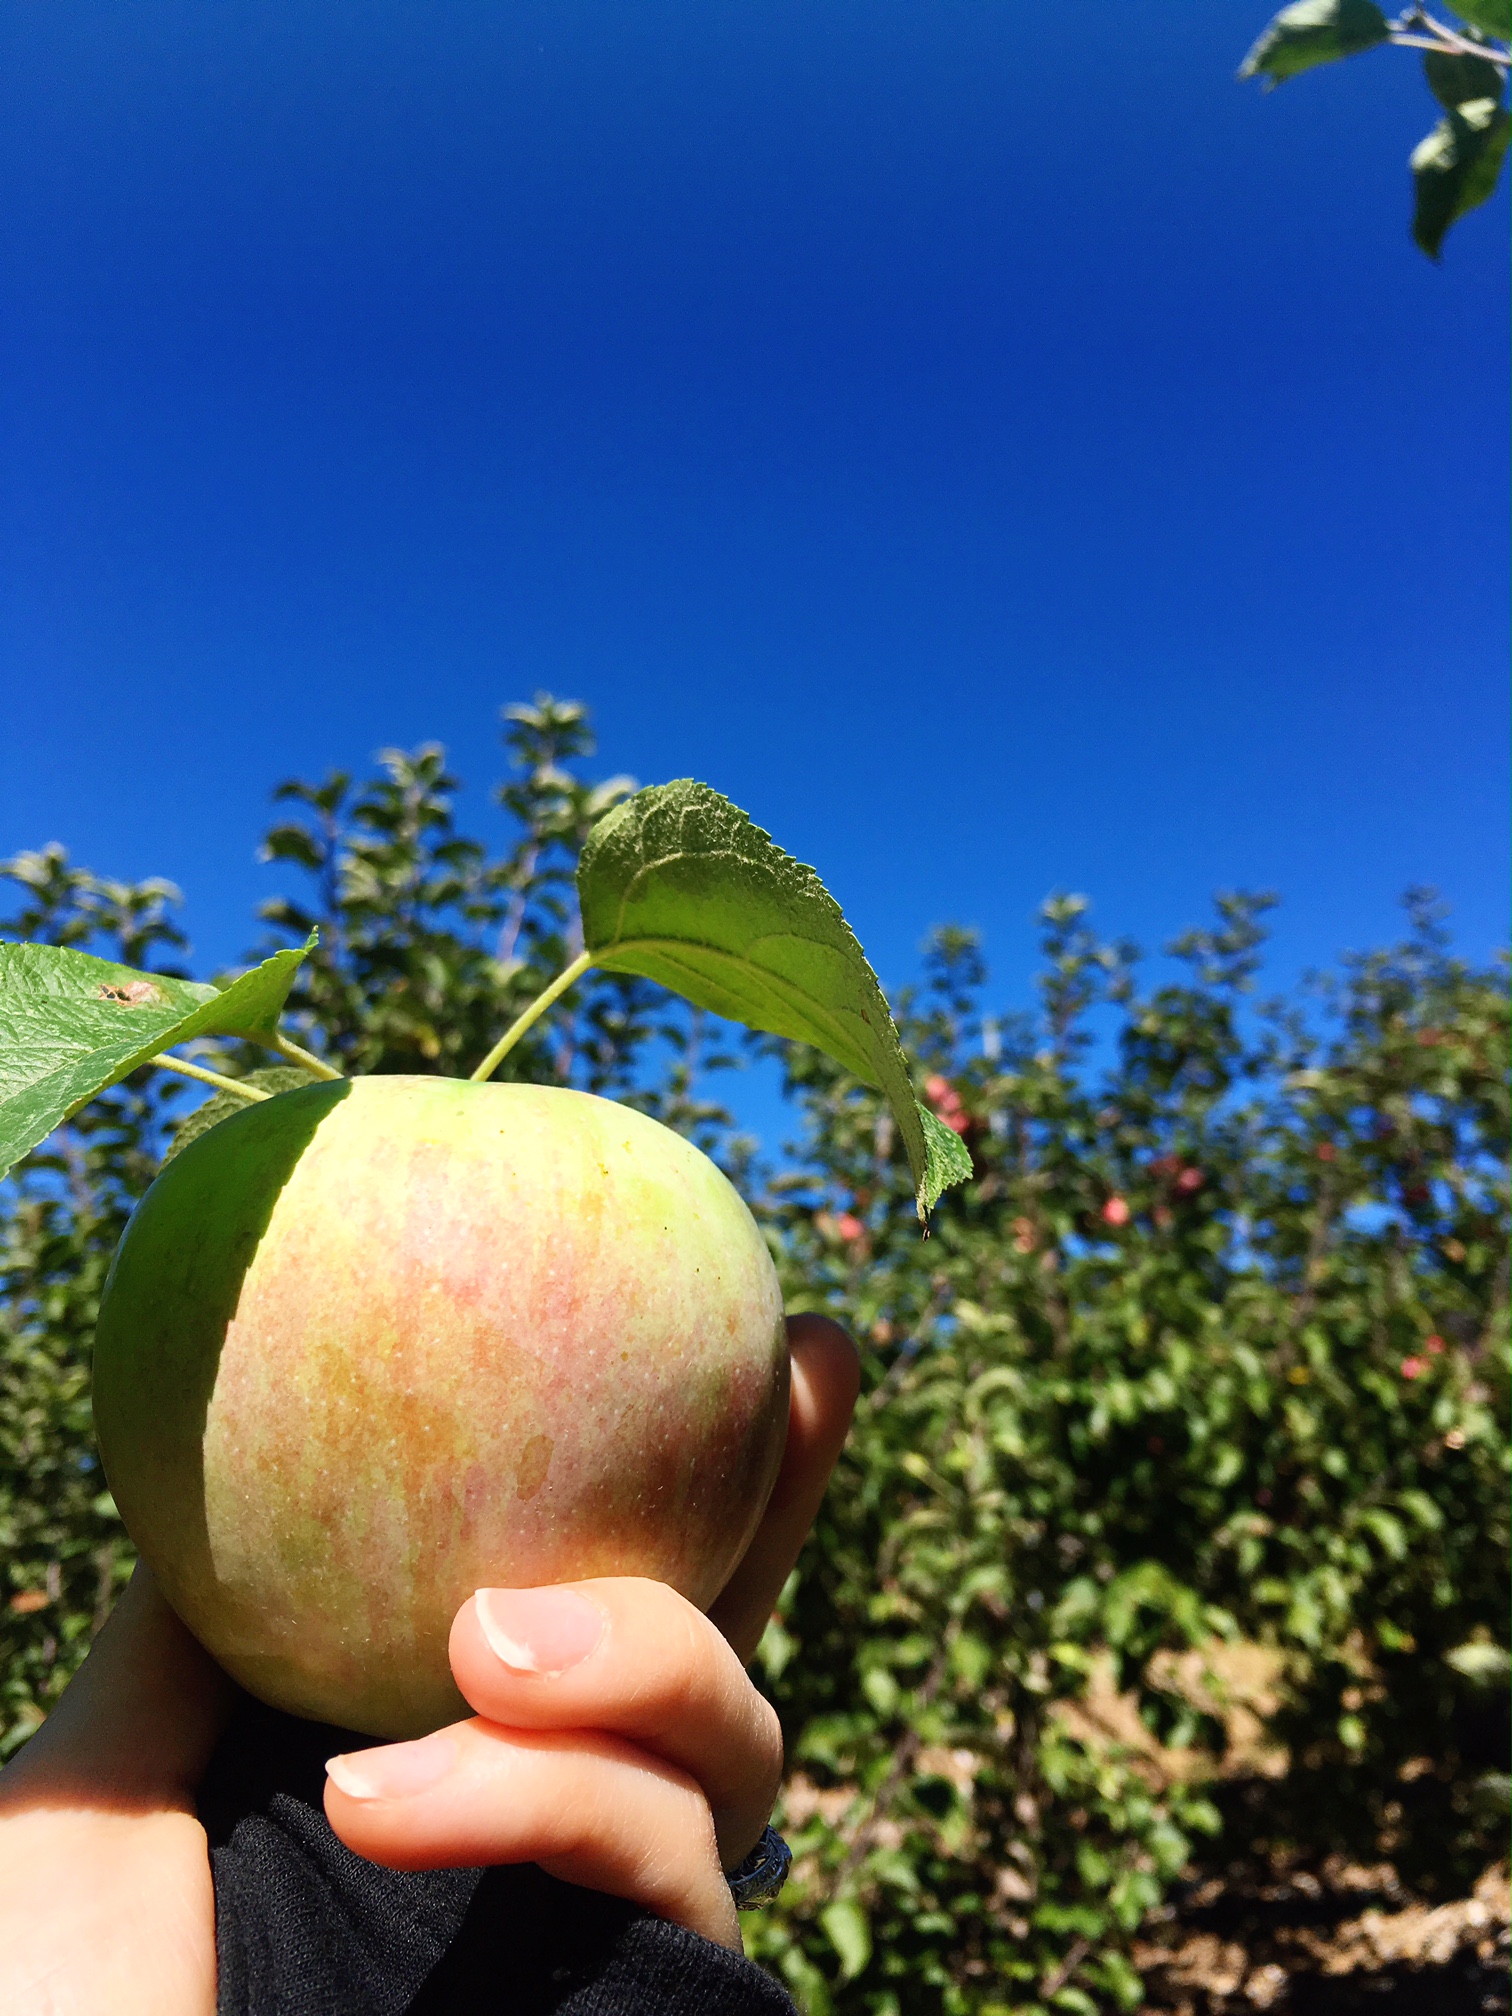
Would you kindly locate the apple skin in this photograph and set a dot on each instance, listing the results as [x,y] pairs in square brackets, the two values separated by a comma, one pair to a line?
[369,1346]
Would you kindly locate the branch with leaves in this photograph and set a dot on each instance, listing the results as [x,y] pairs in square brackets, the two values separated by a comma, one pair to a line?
[675,885]
[1456,166]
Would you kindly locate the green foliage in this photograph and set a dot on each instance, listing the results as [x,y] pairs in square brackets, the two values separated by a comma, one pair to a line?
[430,944]
[1205,1365]
[1456,167]
[1482,1663]
[273,1078]
[1491,17]
[677,884]
[1313,32]
[1460,80]
[64,1550]
[72,1025]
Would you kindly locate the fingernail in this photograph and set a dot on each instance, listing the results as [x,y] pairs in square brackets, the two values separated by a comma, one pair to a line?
[394,1772]
[539,1630]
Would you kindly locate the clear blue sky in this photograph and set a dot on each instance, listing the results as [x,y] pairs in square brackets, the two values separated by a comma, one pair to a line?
[986,441]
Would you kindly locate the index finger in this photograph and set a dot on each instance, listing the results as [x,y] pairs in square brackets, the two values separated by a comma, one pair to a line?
[628,1657]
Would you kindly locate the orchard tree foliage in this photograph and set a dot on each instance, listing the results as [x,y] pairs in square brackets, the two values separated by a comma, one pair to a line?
[1206,1365]
[65,1555]
[428,943]
[1456,166]
[1209,1357]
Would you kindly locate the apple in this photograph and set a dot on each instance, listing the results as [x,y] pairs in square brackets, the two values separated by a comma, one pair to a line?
[370,1345]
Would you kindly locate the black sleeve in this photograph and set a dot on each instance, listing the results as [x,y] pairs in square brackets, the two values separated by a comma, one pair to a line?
[303,1927]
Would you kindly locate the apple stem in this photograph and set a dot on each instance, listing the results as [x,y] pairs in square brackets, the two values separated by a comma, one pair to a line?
[221,1084]
[286,1047]
[536,1009]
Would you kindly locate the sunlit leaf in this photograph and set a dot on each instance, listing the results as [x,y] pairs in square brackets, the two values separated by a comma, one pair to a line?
[72,1025]
[1313,32]
[1481,1663]
[1492,17]
[1455,168]
[845,1926]
[679,886]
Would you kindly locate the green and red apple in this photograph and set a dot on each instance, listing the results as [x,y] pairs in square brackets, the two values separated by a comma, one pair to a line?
[370,1345]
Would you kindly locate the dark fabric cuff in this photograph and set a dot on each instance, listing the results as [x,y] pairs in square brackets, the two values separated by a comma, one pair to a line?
[306,1928]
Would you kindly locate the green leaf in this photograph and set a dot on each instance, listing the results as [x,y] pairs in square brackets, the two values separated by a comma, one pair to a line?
[1481,1663]
[1456,167]
[679,886]
[221,1105]
[846,1929]
[1075,2001]
[1389,1531]
[1460,80]
[72,1025]
[1492,17]
[1313,32]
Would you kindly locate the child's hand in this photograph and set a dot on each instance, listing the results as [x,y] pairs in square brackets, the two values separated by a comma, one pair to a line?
[618,1741]
[643,1768]
[105,1895]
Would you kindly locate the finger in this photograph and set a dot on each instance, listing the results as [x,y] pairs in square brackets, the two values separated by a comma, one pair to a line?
[591,1809]
[826,1379]
[630,1657]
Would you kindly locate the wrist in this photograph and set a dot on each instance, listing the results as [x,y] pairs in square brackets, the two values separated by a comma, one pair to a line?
[135,1728]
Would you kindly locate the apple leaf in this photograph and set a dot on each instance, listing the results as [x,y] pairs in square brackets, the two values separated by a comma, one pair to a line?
[1456,167]
[678,885]
[1313,32]
[220,1106]
[1492,17]
[1461,80]
[72,1025]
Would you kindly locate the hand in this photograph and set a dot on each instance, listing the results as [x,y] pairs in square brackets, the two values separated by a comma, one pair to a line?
[618,1741]
[105,1896]
[105,1893]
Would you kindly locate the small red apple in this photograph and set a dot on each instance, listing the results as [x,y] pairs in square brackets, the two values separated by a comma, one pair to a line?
[369,1346]
[946,1101]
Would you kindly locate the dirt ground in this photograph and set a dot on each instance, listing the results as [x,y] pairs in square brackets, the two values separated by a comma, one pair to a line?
[1342,1940]
[1348,1940]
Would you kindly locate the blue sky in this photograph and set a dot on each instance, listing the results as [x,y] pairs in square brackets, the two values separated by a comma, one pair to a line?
[987,442]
